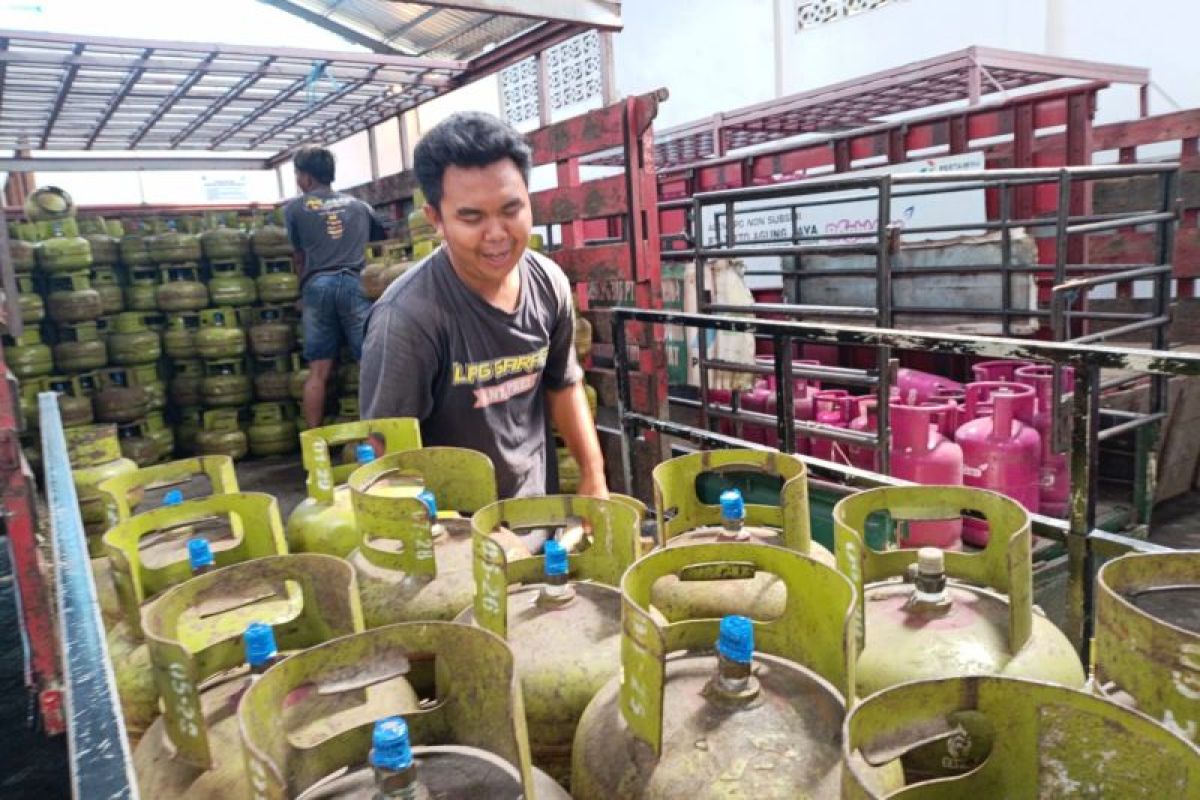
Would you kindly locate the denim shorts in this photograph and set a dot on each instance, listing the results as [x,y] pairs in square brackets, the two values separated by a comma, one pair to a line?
[335,312]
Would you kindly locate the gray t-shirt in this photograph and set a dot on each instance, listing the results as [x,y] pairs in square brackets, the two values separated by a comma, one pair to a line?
[473,374]
[332,230]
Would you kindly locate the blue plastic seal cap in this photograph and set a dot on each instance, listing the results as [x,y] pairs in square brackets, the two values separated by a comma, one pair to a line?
[430,500]
[364,453]
[260,644]
[736,639]
[390,746]
[732,504]
[556,559]
[199,553]
[172,498]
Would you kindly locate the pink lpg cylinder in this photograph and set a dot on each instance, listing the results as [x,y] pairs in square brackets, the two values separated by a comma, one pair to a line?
[866,420]
[921,454]
[950,420]
[1055,493]
[1000,452]
[917,387]
[756,400]
[1000,370]
[832,407]
[804,392]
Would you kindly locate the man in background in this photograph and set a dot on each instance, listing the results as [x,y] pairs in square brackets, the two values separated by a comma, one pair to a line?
[329,231]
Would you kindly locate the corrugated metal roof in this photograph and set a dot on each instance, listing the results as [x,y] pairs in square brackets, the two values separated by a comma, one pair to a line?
[60,92]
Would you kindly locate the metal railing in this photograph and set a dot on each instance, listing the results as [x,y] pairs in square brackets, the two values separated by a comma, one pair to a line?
[1078,532]
[1070,280]
[101,764]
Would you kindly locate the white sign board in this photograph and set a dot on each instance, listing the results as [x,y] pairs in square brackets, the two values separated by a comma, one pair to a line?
[856,217]
[224,188]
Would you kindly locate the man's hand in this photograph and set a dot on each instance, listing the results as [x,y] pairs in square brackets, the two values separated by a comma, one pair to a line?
[593,485]
[573,419]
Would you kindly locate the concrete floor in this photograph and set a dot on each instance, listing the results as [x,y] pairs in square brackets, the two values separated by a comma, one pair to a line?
[282,476]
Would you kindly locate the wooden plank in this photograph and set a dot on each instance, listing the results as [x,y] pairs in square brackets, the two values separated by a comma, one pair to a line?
[1138,248]
[642,388]
[605,197]
[1140,194]
[597,263]
[588,133]
[1159,128]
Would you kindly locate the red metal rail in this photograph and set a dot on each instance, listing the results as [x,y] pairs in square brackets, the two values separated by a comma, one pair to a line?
[42,670]
[608,240]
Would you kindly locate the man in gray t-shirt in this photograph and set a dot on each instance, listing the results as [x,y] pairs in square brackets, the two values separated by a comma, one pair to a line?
[329,232]
[477,341]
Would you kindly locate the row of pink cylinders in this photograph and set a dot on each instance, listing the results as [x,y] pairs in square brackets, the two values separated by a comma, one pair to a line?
[993,433]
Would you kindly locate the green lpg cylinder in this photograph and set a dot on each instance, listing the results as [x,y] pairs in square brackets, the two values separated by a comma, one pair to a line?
[221,434]
[62,248]
[124,495]
[347,409]
[961,614]
[149,553]
[162,435]
[562,618]
[49,203]
[119,397]
[225,383]
[80,347]
[272,431]
[148,377]
[347,377]
[299,376]
[184,388]
[33,308]
[761,717]
[229,285]
[106,247]
[95,454]
[219,335]
[142,292]
[172,246]
[74,404]
[22,246]
[181,289]
[270,239]
[30,388]
[211,637]
[324,521]
[1049,742]
[134,252]
[179,339]
[277,281]
[27,356]
[272,333]
[272,377]
[71,298]
[685,519]
[469,741]
[136,443]
[412,512]
[189,421]
[225,243]
[112,296]
[420,229]
[1147,645]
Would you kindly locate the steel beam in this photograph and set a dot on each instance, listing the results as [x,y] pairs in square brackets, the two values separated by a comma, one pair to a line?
[602,14]
[100,163]
[333,26]
[101,764]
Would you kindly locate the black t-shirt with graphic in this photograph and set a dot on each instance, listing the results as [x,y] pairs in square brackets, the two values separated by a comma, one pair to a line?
[473,374]
[332,230]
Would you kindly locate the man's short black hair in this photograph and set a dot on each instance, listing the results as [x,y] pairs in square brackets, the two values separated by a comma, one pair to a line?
[317,162]
[466,139]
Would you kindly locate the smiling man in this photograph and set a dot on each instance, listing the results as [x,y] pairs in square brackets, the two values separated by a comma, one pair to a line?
[477,341]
